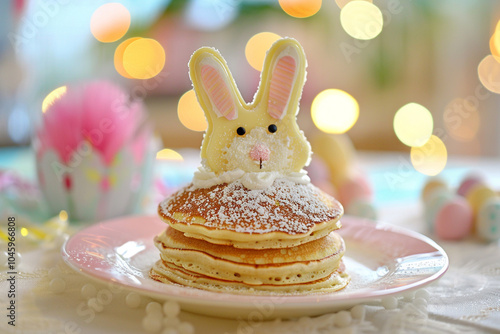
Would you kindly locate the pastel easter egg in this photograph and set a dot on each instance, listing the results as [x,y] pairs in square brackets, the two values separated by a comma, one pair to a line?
[433,204]
[354,188]
[468,183]
[478,195]
[431,186]
[454,220]
[362,208]
[488,220]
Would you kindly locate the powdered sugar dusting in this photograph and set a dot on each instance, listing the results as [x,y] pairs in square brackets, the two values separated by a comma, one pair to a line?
[283,207]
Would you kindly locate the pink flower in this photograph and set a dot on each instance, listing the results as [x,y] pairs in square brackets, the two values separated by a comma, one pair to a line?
[98,113]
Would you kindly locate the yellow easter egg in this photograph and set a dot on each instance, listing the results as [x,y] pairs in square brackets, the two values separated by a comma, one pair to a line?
[432,185]
[338,152]
[478,195]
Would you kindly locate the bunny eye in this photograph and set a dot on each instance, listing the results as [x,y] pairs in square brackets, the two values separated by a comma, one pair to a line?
[272,128]
[241,131]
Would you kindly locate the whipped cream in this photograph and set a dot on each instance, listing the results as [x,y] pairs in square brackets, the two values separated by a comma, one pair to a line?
[204,178]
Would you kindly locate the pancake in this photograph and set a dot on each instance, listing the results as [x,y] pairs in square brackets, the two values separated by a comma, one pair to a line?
[167,273]
[308,262]
[285,214]
[171,239]
[317,232]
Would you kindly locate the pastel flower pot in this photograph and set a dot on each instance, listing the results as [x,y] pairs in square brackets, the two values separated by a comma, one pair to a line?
[94,152]
[91,190]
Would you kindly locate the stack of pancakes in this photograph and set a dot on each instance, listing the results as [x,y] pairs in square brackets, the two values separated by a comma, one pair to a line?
[229,238]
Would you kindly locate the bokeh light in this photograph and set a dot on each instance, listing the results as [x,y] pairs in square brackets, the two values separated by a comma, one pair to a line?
[63,215]
[413,124]
[472,147]
[300,8]
[361,20]
[430,159]
[169,154]
[489,73]
[257,46]
[461,119]
[110,22]
[334,111]
[342,3]
[495,45]
[190,112]
[24,231]
[120,50]
[142,58]
[52,96]
[495,42]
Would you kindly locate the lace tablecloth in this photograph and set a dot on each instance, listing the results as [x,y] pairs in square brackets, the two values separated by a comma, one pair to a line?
[465,300]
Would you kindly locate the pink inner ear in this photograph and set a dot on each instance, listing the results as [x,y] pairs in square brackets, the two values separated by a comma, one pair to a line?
[281,86]
[218,92]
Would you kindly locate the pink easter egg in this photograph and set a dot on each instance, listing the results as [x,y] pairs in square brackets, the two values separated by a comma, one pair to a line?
[354,188]
[455,219]
[468,183]
[434,203]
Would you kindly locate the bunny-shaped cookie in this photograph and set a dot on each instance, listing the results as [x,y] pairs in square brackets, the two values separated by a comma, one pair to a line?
[262,136]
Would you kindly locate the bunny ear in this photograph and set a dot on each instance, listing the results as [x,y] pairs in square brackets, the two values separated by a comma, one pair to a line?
[285,65]
[213,84]
[218,92]
[281,86]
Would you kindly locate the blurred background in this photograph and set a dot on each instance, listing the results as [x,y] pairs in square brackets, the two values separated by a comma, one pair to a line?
[431,57]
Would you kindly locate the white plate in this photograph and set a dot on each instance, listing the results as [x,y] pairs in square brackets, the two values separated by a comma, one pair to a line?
[382,260]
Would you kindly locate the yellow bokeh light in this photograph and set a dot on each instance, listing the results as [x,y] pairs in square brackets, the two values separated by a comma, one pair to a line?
[413,124]
[489,73]
[169,154]
[334,111]
[63,215]
[495,42]
[462,119]
[53,96]
[430,159]
[110,22]
[143,58]
[361,20]
[24,231]
[300,8]
[257,46]
[342,3]
[120,50]
[495,45]
[190,112]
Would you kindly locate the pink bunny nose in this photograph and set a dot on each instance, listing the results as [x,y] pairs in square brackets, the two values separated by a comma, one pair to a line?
[260,152]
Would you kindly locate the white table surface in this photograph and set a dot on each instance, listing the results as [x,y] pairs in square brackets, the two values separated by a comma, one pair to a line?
[466,299]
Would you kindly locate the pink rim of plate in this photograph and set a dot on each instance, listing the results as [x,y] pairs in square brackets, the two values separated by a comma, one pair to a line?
[92,251]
